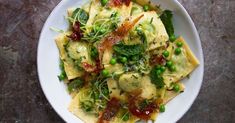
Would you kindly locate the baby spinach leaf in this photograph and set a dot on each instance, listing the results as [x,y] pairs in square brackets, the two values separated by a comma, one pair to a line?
[80,15]
[166,18]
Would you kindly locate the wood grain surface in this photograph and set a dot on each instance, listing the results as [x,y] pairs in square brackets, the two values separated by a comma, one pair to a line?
[22,99]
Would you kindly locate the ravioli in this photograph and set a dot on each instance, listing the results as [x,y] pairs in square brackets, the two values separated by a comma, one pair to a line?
[185,63]
[75,108]
[170,94]
[69,66]
[153,28]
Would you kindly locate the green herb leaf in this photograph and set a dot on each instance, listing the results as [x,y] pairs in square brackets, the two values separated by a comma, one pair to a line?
[80,15]
[166,18]
[62,75]
[75,84]
[128,50]
[156,79]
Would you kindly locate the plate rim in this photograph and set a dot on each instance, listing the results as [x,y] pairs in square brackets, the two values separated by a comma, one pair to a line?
[195,33]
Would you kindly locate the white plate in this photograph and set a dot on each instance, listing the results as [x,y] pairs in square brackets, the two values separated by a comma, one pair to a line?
[55,91]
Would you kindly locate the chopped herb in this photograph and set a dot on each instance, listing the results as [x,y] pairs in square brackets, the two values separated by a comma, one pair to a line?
[143,104]
[156,79]
[75,84]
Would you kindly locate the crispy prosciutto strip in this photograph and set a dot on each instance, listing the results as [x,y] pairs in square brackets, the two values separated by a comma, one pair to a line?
[144,113]
[116,36]
[110,111]
[119,2]
[76,32]
[92,68]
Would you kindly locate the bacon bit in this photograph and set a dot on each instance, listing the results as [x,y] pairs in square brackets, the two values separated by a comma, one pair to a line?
[116,36]
[77,33]
[144,113]
[155,59]
[110,111]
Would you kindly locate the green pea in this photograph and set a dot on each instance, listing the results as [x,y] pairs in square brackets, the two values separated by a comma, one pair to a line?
[146,7]
[163,69]
[179,44]
[162,108]
[113,61]
[165,53]
[176,88]
[123,59]
[177,51]
[172,38]
[104,2]
[172,68]
[169,64]
[158,72]
[105,73]
[126,117]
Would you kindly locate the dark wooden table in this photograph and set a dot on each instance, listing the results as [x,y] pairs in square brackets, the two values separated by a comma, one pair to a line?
[21,97]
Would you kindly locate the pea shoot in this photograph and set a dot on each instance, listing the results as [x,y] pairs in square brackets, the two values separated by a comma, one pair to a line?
[165,53]
[113,61]
[162,108]
[123,59]
[179,44]
[103,2]
[146,7]
[177,51]
[176,87]
[126,117]
[105,73]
